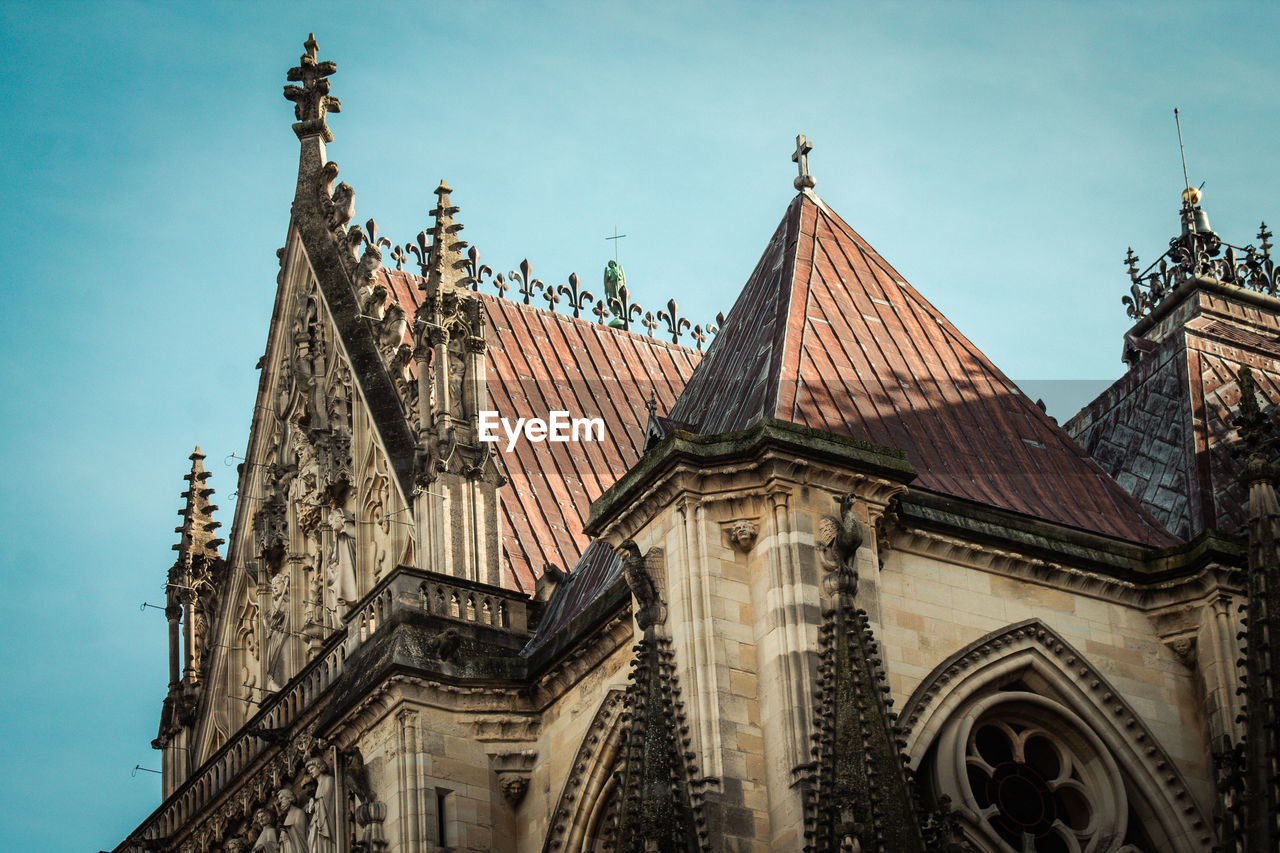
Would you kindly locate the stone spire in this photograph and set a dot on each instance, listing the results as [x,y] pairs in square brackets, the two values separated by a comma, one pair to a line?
[448,270]
[311,103]
[197,541]
[190,594]
[859,794]
[1254,810]
[657,810]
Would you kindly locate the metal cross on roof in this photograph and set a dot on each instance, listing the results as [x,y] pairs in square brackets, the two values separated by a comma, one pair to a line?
[801,159]
[615,238]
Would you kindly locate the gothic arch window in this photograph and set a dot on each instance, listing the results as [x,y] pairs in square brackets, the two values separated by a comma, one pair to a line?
[1039,754]
[1029,775]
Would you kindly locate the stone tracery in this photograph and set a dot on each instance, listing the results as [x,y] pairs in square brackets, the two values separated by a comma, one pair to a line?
[1092,730]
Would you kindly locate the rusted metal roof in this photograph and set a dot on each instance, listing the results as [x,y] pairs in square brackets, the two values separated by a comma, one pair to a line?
[597,570]
[539,362]
[828,335]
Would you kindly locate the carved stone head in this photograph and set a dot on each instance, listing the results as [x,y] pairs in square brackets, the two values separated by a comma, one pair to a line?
[743,534]
[285,799]
[514,786]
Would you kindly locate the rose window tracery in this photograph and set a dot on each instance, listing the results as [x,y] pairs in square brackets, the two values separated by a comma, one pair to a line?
[1030,777]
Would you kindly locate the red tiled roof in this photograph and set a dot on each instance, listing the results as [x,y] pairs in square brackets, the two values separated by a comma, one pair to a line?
[538,362]
[828,335]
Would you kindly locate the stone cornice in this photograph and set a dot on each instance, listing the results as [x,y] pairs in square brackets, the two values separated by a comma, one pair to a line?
[709,468]
[1157,579]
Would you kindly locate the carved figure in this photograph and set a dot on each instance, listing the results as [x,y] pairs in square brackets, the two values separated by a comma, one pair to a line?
[344,206]
[293,823]
[382,557]
[200,637]
[391,329]
[356,776]
[268,840]
[444,645]
[373,301]
[277,630]
[457,373]
[651,611]
[843,535]
[342,559]
[613,276]
[514,786]
[321,829]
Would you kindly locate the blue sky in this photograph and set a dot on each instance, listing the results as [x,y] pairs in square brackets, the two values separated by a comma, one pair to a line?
[1002,157]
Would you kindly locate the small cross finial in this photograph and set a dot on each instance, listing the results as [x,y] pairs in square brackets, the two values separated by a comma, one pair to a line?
[615,238]
[801,159]
[311,48]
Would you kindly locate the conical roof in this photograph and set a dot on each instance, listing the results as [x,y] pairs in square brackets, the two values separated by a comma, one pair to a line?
[828,335]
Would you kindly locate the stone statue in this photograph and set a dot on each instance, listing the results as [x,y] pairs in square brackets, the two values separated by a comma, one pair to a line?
[381,529]
[293,823]
[342,559]
[278,629]
[457,373]
[322,831]
[268,839]
[200,638]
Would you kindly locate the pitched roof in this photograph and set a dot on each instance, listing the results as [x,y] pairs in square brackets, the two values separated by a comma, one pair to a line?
[828,335]
[538,362]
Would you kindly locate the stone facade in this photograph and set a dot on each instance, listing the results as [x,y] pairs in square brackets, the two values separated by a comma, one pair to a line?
[363,671]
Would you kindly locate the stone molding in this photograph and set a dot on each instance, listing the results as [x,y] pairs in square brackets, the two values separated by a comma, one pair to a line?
[1095,584]
[590,773]
[1031,645]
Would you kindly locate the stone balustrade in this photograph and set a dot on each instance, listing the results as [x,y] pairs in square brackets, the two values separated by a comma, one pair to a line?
[405,589]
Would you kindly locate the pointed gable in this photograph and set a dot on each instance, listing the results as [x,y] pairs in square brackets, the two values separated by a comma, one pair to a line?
[828,335]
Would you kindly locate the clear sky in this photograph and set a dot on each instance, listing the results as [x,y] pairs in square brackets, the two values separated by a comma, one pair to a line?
[1001,156]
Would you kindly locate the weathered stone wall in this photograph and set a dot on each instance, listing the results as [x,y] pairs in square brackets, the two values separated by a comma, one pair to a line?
[931,608]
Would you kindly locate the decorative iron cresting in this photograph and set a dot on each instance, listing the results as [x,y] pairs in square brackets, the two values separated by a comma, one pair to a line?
[1199,253]
[617,312]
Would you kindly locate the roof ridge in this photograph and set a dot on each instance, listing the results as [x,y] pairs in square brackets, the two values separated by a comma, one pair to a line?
[590,323]
[780,350]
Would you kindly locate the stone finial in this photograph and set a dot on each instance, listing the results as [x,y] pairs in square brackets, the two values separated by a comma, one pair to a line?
[804,181]
[311,100]
[448,265]
[197,529]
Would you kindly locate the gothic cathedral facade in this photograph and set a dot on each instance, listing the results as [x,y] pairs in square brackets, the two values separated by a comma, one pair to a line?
[816,577]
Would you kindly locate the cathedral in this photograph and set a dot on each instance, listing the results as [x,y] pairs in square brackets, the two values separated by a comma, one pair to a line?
[527,568]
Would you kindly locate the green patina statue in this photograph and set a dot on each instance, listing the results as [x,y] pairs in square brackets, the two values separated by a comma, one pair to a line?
[614,280]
